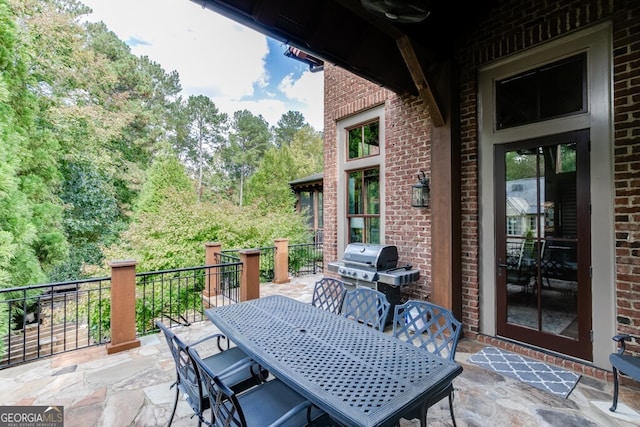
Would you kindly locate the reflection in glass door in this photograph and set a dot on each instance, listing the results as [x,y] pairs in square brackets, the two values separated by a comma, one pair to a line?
[543,243]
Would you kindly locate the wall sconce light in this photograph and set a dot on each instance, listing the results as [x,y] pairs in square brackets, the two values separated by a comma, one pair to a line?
[420,192]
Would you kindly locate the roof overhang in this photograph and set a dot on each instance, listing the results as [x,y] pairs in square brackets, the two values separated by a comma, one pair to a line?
[392,54]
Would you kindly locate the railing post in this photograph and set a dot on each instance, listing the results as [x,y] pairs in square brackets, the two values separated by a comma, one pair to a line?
[212,278]
[250,276]
[123,306]
[281,263]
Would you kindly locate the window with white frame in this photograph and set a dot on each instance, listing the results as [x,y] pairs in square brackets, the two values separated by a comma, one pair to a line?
[360,168]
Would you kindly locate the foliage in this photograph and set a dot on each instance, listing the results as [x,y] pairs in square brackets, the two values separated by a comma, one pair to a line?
[288,125]
[302,256]
[172,302]
[165,177]
[248,141]
[200,128]
[152,302]
[100,320]
[91,218]
[269,186]
[88,133]
[175,234]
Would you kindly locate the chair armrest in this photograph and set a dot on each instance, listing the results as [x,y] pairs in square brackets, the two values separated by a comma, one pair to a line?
[620,339]
[219,336]
[291,413]
[244,363]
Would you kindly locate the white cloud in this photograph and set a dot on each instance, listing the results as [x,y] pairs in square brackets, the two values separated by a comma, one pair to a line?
[213,55]
[308,91]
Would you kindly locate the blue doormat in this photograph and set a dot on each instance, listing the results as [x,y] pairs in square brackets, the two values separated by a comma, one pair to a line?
[552,379]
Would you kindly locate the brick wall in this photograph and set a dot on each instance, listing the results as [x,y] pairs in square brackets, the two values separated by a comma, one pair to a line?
[514,26]
[626,86]
[407,146]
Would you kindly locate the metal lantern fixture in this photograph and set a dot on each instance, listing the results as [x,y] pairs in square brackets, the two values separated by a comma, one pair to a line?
[420,192]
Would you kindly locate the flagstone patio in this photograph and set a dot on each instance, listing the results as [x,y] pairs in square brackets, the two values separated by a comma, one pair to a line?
[132,387]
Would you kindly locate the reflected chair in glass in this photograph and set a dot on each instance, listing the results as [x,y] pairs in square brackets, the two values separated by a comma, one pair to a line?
[271,403]
[329,294]
[434,329]
[188,377]
[367,306]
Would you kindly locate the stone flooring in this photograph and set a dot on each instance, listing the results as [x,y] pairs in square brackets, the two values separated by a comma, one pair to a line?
[131,388]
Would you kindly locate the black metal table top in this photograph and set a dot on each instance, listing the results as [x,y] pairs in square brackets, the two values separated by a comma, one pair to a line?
[359,376]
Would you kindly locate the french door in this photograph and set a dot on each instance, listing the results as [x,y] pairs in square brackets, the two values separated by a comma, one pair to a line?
[543,243]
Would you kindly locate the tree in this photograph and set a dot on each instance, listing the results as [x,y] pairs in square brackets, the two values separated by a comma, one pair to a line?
[166,176]
[200,128]
[288,125]
[248,141]
[269,185]
[91,218]
[307,150]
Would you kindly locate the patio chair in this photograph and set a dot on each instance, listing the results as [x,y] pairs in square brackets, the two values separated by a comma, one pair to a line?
[367,306]
[188,377]
[268,404]
[329,294]
[434,329]
[625,363]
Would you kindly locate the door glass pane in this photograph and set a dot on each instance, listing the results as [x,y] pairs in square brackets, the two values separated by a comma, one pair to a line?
[558,265]
[523,238]
[541,233]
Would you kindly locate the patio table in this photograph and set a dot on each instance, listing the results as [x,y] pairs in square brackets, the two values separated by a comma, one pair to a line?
[359,376]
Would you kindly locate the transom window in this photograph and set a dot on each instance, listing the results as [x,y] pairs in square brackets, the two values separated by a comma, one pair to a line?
[553,90]
[364,140]
[363,211]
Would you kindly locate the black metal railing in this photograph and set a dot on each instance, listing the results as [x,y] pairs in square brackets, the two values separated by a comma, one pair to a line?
[267,261]
[181,295]
[306,259]
[43,320]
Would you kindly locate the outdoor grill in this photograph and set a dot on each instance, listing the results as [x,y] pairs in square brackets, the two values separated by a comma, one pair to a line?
[367,264]
[375,266]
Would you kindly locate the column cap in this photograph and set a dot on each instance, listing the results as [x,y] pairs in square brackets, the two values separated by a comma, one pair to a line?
[123,263]
[254,251]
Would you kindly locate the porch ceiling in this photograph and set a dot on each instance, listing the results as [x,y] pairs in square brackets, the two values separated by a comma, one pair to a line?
[392,54]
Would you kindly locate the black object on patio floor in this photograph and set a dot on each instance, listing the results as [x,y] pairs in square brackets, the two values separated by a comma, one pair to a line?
[557,381]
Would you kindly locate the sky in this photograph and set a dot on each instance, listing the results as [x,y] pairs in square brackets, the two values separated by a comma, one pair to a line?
[238,68]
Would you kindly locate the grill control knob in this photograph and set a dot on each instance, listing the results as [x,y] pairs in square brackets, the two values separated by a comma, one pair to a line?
[365,276]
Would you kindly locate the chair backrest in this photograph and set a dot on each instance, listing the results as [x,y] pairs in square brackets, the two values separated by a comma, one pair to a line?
[188,376]
[367,306]
[225,408]
[329,294]
[427,326]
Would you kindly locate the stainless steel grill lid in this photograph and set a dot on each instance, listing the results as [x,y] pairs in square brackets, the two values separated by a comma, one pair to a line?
[378,257]
[369,263]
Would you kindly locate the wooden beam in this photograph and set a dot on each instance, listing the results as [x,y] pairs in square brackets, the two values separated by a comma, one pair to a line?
[446,205]
[420,80]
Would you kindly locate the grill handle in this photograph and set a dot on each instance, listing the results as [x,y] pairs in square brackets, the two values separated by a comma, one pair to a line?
[360,264]
[404,267]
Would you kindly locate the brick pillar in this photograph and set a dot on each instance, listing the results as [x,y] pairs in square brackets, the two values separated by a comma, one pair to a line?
[123,307]
[281,265]
[250,277]
[212,276]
